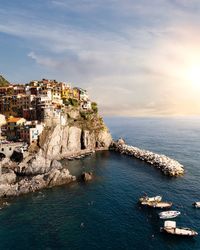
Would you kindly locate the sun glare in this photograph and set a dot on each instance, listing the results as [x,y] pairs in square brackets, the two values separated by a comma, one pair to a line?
[194,76]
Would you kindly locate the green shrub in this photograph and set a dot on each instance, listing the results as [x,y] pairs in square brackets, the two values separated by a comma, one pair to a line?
[86,115]
[3,82]
[66,102]
[94,107]
[73,102]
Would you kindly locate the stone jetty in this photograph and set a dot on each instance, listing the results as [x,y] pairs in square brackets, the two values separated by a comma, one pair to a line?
[167,165]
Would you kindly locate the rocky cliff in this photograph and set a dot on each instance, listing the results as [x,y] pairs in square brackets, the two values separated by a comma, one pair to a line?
[80,133]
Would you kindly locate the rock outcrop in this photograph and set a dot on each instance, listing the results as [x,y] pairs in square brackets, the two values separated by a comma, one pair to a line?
[74,139]
[40,167]
[86,176]
[11,186]
[61,141]
[8,178]
[104,139]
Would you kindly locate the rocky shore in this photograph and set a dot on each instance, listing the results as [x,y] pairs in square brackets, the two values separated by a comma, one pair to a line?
[40,167]
[167,165]
[14,183]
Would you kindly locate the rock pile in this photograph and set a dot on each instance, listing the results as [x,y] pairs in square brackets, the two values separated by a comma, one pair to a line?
[167,165]
[11,185]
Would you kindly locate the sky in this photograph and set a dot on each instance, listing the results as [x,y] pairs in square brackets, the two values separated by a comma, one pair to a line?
[135,57]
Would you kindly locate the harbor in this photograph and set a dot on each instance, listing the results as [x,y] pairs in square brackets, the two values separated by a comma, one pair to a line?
[167,165]
[169,226]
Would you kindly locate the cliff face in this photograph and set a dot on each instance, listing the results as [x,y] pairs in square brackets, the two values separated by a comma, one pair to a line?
[61,142]
[79,135]
[76,133]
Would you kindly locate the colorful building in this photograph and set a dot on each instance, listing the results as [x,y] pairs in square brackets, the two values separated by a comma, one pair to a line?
[12,127]
[30,131]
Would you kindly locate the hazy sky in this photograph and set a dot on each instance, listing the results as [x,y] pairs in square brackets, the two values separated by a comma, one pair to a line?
[135,57]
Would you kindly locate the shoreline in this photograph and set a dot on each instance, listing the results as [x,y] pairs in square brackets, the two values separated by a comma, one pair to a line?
[14,183]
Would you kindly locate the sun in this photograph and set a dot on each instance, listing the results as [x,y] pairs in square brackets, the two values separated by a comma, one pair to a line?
[193,76]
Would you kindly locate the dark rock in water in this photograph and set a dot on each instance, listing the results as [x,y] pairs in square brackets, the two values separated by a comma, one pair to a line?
[59,177]
[87,176]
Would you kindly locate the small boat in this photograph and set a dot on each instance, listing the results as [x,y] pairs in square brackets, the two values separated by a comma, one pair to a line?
[150,199]
[70,159]
[170,228]
[169,214]
[78,157]
[196,204]
[155,204]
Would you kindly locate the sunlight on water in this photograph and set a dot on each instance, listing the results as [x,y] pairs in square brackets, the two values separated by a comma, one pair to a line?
[104,214]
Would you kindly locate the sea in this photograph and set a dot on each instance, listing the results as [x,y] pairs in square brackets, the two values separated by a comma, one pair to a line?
[104,213]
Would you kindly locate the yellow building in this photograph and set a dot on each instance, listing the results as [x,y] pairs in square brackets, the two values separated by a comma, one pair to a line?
[65,93]
[76,93]
[13,125]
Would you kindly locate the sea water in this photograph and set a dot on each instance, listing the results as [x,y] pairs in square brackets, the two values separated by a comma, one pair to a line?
[104,213]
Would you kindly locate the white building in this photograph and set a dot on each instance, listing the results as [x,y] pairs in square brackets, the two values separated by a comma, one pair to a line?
[31,131]
[87,105]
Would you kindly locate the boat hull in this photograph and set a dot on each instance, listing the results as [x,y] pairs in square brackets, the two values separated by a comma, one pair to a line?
[180,232]
[196,204]
[157,204]
[169,215]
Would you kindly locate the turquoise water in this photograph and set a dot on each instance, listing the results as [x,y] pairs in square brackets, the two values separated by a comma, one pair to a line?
[104,213]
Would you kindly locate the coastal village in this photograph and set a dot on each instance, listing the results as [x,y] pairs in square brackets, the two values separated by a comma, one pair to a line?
[39,113]
[43,122]
[27,108]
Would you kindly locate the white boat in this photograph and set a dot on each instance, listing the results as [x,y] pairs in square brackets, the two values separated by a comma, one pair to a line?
[170,228]
[196,204]
[150,199]
[169,214]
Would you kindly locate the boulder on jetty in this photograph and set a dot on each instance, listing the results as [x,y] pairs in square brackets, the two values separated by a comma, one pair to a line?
[167,165]
[121,141]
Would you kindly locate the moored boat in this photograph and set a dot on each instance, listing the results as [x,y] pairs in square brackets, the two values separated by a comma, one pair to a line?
[154,204]
[170,228]
[196,204]
[169,214]
[150,199]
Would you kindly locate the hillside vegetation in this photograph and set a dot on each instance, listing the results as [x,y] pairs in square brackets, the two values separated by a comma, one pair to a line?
[3,82]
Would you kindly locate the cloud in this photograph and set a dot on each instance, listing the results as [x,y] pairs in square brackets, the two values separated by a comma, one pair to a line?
[46,61]
[131,58]
[77,6]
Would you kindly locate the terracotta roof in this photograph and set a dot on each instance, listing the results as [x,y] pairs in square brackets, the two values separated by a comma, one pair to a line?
[14,119]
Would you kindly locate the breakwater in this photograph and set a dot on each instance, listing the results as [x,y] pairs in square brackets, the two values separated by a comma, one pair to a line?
[167,165]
